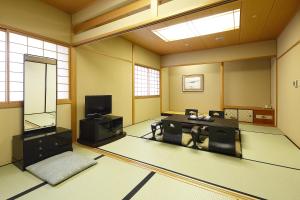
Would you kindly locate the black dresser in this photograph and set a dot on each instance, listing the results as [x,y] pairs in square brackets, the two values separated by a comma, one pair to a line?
[31,148]
[96,132]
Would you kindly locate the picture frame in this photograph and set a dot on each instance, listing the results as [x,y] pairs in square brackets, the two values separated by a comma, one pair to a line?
[193,83]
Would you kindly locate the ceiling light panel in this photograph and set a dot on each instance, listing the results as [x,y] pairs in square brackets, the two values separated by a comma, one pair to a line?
[203,26]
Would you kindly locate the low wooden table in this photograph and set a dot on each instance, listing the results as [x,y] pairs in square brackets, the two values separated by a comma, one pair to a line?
[218,122]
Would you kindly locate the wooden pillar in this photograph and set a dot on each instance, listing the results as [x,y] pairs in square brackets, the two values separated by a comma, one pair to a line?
[276,107]
[222,86]
[73,94]
[160,88]
[133,97]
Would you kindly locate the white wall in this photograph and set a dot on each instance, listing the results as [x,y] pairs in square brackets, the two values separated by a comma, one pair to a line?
[289,71]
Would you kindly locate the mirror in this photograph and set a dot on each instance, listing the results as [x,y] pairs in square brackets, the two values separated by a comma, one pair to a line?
[39,93]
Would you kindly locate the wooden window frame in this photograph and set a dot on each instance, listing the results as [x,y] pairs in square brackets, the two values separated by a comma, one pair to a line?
[159,80]
[17,104]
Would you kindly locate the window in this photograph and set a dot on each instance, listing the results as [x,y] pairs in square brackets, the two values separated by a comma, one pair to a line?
[146,81]
[2,66]
[11,69]
[202,26]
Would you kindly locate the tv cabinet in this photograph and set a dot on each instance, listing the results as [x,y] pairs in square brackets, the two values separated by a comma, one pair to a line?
[95,132]
[33,147]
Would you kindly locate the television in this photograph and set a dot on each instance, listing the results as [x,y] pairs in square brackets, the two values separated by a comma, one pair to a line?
[97,105]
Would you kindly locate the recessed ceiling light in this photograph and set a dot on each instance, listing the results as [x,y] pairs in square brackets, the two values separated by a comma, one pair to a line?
[202,26]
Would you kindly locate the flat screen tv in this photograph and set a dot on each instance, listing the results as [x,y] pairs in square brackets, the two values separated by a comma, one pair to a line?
[97,105]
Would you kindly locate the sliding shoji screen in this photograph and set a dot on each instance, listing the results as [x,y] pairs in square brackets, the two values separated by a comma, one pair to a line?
[20,45]
[146,81]
[2,66]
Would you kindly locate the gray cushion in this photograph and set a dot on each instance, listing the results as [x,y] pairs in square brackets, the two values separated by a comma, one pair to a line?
[60,167]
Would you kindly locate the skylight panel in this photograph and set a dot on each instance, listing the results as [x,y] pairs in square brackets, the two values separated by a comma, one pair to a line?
[203,26]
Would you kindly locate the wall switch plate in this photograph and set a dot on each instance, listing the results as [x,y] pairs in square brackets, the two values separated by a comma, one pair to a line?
[296,83]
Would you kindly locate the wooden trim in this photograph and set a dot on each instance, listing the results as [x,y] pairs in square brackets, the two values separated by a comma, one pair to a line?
[33,35]
[133,99]
[147,97]
[103,54]
[160,89]
[63,101]
[173,175]
[276,112]
[222,86]
[40,59]
[73,94]
[17,104]
[214,62]
[7,68]
[111,16]
[148,67]
[246,107]
[288,50]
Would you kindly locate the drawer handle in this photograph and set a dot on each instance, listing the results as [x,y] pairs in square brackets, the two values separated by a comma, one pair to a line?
[40,155]
[40,148]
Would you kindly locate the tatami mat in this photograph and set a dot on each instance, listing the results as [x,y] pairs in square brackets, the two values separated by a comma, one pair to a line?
[274,149]
[109,179]
[83,151]
[254,178]
[141,128]
[14,181]
[261,129]
[161,188]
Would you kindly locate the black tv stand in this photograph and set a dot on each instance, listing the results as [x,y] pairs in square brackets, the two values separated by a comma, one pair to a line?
[96,132]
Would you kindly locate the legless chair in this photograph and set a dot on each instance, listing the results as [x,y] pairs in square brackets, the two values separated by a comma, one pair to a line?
[221,140]
[217,114]
[172,133]
[189,112]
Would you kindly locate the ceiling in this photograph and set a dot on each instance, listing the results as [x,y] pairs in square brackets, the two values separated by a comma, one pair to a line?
[260,20]
[69,6]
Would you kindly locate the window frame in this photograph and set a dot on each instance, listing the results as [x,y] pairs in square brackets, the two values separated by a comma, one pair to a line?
[16,104]
[159,80]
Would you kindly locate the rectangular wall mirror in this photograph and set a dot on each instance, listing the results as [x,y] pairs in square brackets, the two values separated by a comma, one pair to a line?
[39,93]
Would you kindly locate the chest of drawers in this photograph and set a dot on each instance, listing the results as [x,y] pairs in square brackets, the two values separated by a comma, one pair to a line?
[28,150]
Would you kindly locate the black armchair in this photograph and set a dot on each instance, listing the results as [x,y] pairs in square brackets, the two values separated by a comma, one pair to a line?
[222,140]
[218,114]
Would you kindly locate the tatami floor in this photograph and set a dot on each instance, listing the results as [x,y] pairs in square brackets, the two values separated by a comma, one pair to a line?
[137,168]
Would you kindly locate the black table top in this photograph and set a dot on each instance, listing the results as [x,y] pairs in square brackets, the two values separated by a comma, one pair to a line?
[218,122]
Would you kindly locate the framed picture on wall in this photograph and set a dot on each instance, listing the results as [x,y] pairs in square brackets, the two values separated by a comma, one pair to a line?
[193,83]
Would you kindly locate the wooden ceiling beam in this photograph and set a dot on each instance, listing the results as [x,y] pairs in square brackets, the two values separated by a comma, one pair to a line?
[111,16]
